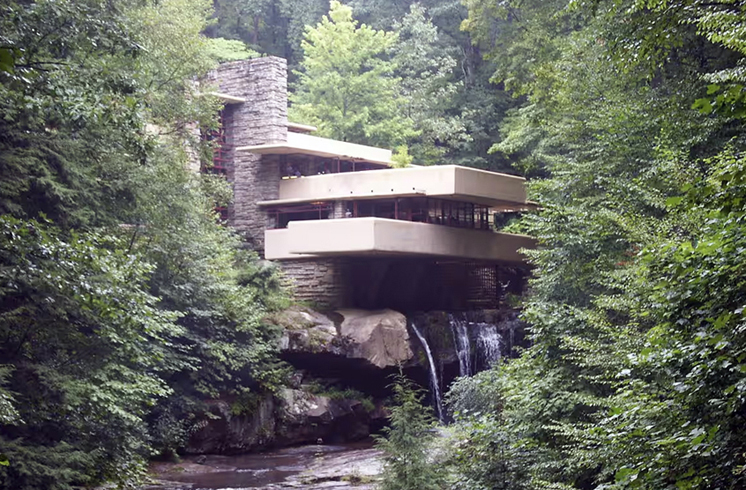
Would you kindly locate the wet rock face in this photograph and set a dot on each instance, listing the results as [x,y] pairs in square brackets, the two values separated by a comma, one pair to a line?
[222,431]
[343,361]
[308,417]
[295,416]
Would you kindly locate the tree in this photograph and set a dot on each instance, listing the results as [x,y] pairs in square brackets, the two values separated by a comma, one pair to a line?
[274,28]
[426,65]
[460,123]
[85,339]
[634,330]
[406,442]
[122,297]
[483,453]
[346,86]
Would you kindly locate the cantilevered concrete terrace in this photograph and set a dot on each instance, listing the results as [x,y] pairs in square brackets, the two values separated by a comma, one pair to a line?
[388,237]
[445,182]
[313,146]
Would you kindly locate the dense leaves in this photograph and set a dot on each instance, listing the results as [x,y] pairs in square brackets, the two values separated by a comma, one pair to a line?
[87,343]
[635,375]
[123,302]
[347,87]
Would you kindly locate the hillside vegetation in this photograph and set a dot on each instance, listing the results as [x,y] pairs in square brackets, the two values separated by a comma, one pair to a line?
[124,303]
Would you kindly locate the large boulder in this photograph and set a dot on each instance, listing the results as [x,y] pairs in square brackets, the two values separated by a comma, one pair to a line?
[380,337]
[306,330]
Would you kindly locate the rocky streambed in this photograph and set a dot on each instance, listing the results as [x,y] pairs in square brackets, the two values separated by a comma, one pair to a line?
[337,394]
[311,467]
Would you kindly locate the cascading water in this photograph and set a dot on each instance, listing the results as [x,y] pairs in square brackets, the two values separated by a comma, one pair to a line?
[489,343]
[433,374]
[462,343]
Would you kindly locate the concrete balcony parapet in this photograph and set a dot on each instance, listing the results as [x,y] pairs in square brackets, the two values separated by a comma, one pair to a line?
[445,182]
[387,237]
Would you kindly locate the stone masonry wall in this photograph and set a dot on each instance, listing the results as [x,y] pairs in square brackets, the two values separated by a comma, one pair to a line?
[340,210]
[321,282]
[261,119]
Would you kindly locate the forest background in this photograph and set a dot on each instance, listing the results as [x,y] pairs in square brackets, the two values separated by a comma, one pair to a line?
[627,116]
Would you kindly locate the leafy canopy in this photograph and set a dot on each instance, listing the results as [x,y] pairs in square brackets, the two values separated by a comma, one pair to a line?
[346,85]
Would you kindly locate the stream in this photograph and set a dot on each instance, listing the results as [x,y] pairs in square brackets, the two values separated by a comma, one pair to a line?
[314,467]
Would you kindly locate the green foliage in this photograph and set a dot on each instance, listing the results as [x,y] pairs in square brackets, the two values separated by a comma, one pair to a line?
[407,441]
[268,27]
[477,395]
[125,303]
[426,66]
[346,86]
[229,50]
[86,340]
[687,415]
[8,412]
[401,157]
[337,393]
[633,377]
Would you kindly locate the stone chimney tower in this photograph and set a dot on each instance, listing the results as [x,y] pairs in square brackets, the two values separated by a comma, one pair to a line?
[261,118]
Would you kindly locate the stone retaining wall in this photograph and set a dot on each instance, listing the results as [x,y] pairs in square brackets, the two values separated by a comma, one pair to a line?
[322,283]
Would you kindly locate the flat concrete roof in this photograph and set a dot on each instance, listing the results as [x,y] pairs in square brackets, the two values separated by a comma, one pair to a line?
[305,144]
[450,182]
[227,99]
[388,237]
[301,128]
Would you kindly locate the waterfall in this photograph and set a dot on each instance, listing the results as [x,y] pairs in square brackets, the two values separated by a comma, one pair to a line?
[489,342]
[462,344]
[487,348]
[433,374]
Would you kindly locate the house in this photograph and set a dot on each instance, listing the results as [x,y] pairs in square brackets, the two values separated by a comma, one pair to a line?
[349,230]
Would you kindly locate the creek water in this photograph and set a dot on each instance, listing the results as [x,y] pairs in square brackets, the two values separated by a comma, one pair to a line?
[304,467]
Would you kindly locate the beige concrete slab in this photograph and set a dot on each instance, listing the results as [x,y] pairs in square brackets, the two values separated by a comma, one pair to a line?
[379,236]
[301,128]
[305,144]
[277,245]
[445,182]
[227,99]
